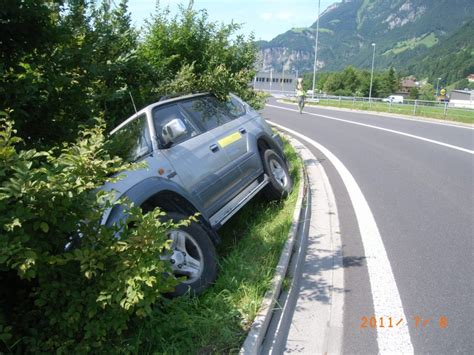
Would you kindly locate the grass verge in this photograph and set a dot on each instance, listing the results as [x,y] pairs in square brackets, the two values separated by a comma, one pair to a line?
[452,114]
[219,320]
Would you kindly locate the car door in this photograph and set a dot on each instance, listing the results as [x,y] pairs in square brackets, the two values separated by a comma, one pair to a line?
[230,137]
[194,156]
[239,150]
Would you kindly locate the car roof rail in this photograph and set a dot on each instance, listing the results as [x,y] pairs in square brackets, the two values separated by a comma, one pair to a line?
[179,94]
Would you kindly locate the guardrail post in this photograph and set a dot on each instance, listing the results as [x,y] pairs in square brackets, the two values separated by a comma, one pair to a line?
[353,101]
[390,106]
[445,109]
[339,101]
[414,107]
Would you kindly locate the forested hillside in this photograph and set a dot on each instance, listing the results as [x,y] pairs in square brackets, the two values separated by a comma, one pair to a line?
[451,59]
[404,31]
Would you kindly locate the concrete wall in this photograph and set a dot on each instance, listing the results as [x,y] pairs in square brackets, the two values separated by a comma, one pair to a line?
[273,81]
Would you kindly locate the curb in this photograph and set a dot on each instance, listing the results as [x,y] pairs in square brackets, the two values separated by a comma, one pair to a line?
[253,342]
[304,324]
[388,114]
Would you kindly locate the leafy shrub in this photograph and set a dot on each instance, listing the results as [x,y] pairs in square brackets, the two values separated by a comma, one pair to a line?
[68,283]
[189,53]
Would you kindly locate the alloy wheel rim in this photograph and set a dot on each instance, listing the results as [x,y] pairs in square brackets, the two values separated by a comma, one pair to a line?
[186,256]
[278,173]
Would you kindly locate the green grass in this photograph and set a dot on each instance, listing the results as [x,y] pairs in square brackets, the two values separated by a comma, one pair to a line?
[299,29]
[452,114]
[325,30]
[218,320]
[428,40]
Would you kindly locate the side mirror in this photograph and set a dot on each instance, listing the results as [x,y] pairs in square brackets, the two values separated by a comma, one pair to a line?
[173,130]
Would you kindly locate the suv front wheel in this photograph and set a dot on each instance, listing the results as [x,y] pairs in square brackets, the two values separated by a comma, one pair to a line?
[193,256]
[280,183]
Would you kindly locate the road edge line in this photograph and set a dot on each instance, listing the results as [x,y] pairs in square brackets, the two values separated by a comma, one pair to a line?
[409,135]
[422,119]
[385,295]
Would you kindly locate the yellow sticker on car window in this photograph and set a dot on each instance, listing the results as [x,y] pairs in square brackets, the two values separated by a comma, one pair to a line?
[234,137]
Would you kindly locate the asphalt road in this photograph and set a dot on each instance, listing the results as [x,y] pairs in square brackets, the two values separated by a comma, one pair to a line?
[418,180]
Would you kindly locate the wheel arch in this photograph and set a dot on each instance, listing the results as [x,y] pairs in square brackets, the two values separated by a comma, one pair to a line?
[264,143]
[157,192]
[171,201]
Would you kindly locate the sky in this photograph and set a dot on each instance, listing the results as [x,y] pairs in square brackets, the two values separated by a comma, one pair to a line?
[265,18]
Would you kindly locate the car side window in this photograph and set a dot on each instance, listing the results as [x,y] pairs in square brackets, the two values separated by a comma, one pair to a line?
[207,111]
[234,108]
[164,114]
[131,142]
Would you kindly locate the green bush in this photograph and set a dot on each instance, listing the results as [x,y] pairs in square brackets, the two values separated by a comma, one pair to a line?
[60,299]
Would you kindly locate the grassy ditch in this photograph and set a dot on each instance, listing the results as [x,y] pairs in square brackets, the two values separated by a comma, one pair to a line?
[218,320]
[452,114]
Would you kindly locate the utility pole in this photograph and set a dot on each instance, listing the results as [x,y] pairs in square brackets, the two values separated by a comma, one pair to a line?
[316,48]
[372,76]
[282,79]
[271,78]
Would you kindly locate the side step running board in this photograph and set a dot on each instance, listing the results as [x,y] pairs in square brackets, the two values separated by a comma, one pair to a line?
[223,215]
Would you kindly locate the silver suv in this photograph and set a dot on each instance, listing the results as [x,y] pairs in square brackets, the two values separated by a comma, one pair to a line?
[203,155]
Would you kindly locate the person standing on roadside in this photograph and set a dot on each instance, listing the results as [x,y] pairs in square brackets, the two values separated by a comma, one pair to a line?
[300,94]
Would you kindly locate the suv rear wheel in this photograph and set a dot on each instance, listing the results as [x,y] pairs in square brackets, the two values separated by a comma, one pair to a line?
[280,180]
[192,256]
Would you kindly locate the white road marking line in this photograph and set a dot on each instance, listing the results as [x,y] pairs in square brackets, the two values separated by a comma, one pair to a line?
[380,128]
[386,115]
[385,295]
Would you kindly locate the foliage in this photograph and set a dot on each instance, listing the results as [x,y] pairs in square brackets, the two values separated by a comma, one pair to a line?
[427,92]
[451,60]
[464,84]
[80,60]
[82,67]
[414,93]
[68,283]
[189,53]
[355,82]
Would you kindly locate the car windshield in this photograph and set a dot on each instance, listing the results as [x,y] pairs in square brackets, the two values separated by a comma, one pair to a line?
[131,142]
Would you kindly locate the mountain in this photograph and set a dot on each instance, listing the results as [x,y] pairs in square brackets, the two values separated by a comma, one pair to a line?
[404,31]
[451,59]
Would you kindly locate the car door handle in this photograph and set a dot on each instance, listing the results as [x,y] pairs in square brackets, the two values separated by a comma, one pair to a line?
[214,147]
[242,130]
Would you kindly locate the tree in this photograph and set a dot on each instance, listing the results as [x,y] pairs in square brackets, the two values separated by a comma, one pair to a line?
[389,83]
[427,92]
[414,93]
[190,53]
[82,68]
[350,80]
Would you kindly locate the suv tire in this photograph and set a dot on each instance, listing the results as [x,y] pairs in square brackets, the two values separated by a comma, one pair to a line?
[193,256]
[280,183]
